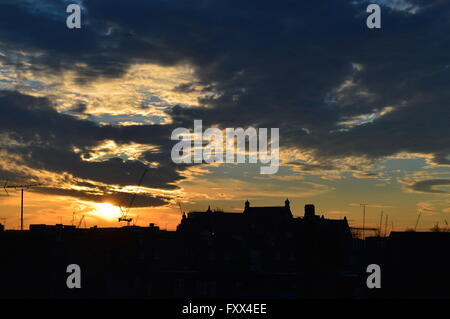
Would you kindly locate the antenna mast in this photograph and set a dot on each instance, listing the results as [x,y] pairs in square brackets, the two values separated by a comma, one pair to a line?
[364,218]
[385,226]
[381,224]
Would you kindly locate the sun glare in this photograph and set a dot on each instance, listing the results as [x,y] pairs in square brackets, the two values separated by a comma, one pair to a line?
[107,211]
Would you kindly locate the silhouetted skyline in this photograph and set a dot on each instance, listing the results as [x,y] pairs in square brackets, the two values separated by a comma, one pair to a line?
[261,252]
[362,113]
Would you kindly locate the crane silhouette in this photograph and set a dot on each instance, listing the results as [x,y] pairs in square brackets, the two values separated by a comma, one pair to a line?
[124,211]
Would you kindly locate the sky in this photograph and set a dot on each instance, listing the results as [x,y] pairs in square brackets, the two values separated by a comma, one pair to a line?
[363,114]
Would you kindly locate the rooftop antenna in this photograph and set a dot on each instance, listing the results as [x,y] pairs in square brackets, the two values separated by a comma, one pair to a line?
[20,187]
[364,218]
[381,224]
[385,226]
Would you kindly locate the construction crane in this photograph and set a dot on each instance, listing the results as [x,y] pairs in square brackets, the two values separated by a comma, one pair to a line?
[20,187]
[136,220]
[82,219]
[124,217]
[417,221]
[181,209]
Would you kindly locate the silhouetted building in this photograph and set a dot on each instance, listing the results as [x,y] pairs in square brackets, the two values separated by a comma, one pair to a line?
[417,265]
[260,252]
[271,240]
[310,212]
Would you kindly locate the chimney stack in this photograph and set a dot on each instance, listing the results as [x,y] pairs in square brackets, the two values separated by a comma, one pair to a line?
[310,211]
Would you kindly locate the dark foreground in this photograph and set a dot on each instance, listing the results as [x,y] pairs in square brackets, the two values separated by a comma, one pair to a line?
[263,253]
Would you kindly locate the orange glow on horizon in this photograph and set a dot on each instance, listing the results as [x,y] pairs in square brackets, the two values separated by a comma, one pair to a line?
[106,211]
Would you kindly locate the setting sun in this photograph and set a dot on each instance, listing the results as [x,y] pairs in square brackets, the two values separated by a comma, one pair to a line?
[106,211]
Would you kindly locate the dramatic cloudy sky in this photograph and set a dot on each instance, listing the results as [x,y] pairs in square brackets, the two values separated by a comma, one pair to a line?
[363,113]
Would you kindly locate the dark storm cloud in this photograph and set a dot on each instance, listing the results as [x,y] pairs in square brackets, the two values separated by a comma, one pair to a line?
[116,198]
[34,119]
[185,88]
[268,64]
[79,108]
[427,186]
[45,140]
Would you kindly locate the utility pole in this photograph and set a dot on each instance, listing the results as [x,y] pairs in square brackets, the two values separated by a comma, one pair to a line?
[364,218]
[20,187]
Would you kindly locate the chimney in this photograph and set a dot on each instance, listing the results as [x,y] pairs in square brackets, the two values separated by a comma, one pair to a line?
[309,211]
